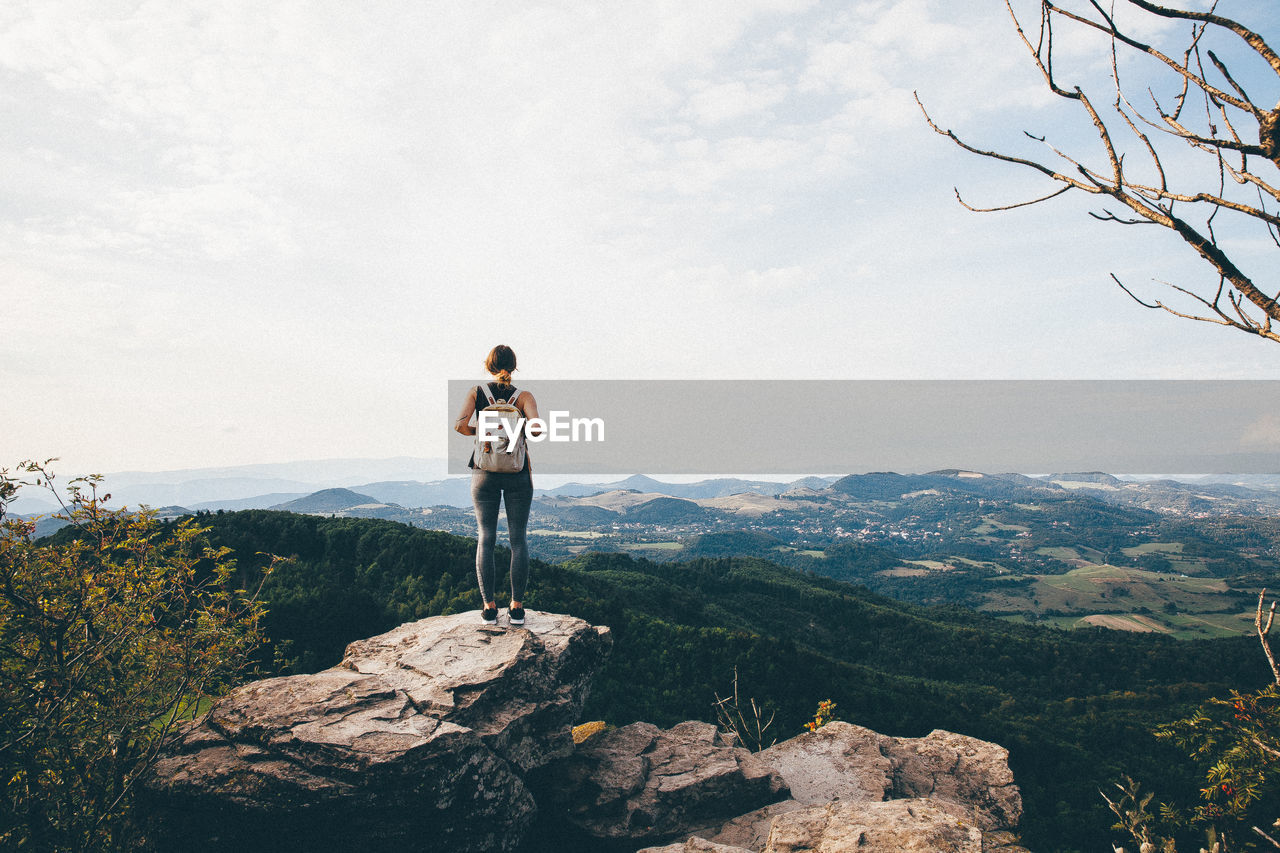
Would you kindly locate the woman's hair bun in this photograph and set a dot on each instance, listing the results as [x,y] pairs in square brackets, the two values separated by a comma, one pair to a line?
[501,361]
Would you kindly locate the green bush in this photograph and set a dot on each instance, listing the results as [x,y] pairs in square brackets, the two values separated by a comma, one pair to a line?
[109,637]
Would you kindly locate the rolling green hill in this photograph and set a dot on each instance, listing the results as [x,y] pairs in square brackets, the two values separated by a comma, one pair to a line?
[327,500]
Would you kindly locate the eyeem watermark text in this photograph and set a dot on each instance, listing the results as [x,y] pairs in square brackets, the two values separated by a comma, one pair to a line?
[558,427]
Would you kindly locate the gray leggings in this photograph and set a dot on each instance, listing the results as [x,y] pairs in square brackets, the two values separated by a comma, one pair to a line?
[488,488]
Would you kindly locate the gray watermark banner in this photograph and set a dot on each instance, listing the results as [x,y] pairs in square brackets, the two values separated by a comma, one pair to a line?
[785,427]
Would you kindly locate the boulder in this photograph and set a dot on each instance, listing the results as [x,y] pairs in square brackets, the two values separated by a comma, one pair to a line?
[888,826]
[643,783]
[843,764]
[957,769]
[751,830]
[419,738]
[520,689]
[839,761]
[894,826]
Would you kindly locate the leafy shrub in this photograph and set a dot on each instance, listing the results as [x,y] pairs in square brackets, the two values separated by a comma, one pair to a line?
[110,635]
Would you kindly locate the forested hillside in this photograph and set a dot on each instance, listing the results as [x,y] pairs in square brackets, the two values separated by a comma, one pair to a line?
[1074,708]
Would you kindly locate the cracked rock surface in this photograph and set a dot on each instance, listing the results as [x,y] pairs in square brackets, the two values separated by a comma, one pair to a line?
[957,769]
[893,826]
[853,788]
[418,739]
[640,782]
[844,762]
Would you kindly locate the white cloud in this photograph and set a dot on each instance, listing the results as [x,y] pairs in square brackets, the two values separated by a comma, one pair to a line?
[734,99]
[314,207]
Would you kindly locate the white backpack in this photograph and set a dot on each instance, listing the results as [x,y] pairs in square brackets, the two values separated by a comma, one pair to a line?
[500,454]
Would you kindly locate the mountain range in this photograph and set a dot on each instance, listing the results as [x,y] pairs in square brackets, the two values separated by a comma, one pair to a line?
[1224,494]
[243,486]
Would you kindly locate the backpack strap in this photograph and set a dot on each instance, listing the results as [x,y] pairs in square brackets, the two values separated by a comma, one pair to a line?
[511,397]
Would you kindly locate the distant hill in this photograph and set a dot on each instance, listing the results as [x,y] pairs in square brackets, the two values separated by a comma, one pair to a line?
[636,482]
[722,487]
[1199,496]
[327,500]
[1098,477]
[48,525]
[200,491]
[815,483]
[1267,482]
[1024,480]
[665,511]
[423,482]
[170,512]
[586,515]
[733,543]
[617,500]
[883,485]
[197,486]
[888,486]
[454,491]
[255,502]
[27,506]
[711,488]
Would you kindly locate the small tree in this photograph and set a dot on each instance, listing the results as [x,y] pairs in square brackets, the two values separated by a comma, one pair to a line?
[1191,148]
[109,637]
[745,720]
[1237,740]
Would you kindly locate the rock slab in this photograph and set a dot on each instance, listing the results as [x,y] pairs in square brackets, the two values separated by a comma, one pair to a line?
[893,826]
[853,788]
[844,762]
[640,782]
[418,739]
[952,768]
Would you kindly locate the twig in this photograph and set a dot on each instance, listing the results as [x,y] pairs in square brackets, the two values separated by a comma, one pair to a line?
[1264,630]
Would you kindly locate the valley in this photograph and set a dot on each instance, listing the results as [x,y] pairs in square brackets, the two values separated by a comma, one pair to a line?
[1080,550]
[1062,621]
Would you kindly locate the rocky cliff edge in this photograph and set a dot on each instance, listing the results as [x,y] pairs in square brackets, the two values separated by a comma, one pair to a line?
[449,735]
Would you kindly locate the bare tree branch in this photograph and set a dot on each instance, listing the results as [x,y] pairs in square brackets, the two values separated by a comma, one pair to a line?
[1251,38]
[1197,214]
[1013,206]
[1264,631]
[1110,29]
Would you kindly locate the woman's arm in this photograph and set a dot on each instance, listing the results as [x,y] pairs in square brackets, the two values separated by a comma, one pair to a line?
[463,423]
[529,408]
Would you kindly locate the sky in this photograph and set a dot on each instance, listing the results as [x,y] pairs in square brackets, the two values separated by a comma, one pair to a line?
[236,233]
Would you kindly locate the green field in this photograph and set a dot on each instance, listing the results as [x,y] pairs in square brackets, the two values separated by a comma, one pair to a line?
[1154,548]
[1209,624]
[980,564]
[989,525]
[1182,626]
[1127,599]
[652,546]
[787,549]
[1060,553]
[568,534]
[1095,587]
[932,565]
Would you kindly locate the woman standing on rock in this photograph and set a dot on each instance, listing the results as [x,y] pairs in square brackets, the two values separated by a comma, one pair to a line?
[490,487]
